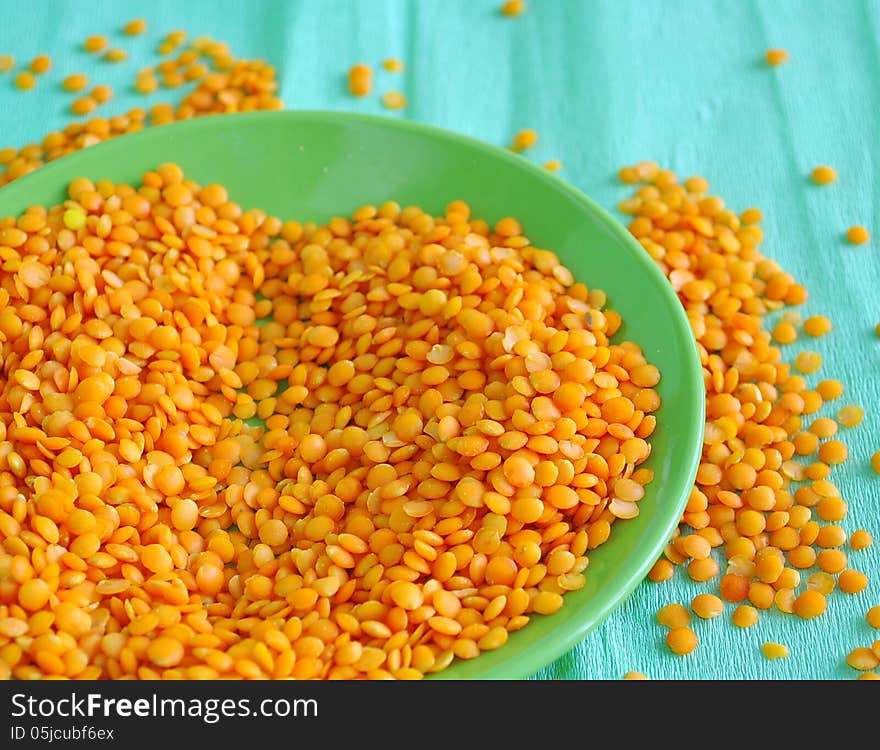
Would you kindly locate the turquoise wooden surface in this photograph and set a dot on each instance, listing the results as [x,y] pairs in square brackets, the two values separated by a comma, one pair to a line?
[604,84]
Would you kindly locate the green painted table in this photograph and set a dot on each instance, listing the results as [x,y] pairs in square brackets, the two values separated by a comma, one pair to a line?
[604,84]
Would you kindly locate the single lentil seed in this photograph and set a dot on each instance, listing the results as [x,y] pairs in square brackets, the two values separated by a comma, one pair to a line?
[135,27]
[41,64]
[823,175]
[25,80]
[776,57]
[673,616]
[774,650]
[95,43]
[75,82]
[858,235]
[681,640]
[851,416]
[524,139]
[861,539]
[360,79]
[513,7]
[393,100]
[393,65]
[745,616]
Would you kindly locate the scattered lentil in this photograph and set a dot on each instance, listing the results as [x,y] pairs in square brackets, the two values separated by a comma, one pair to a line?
[851,416]
[135,27]
[95,43]
[524,139]
[41,64]
[852,581]
[863,659]
[25,80]
[858,235]
[861,539]
[817,325]
[824,175]
[360,79]
[75,82]
[393,100]
[745,616]
[776,57]
[393,65]
[707,606]
[662,570]
[513,7]
[115,55]
[673,616]
[774,650]
[84,105]
[681,640]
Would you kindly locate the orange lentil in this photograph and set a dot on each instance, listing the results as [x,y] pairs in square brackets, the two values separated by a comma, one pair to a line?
[808,362]
[817,325]
[661,571]
[524,139]
[673,616]
[823,175]
[707,606]
[776,57]
[810,604]
[873,617]
[833,452]
[632,675]
[513,7]
[360,79]
[851,416]
[102,94]
[875,462]
[858,235]
[83,105]
[75,82]
[115,55]
[25,80]
[774,650]
[135,27]
[393,65]
[852,581]
[831,560]
[785,333]
[393,100]
[861,539]
[554,165]
[823,427]
[41,64]
[745,616]
[7,63]
[95,43]
[681,640]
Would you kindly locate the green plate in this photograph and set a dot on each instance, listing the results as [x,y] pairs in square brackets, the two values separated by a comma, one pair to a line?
[312,166]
